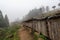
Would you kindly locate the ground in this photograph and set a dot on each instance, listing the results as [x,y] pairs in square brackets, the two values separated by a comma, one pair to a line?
[24,34]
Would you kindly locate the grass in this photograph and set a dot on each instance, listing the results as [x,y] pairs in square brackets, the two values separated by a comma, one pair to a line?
[9,33]
[35,37]
[41,36]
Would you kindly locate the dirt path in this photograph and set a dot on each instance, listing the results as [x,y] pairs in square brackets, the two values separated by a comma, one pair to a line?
[24,34]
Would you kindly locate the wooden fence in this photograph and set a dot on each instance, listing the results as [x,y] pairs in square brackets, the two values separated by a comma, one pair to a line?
[49,26]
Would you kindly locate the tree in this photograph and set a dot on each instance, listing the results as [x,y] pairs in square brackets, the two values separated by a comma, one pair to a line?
[54,7]
[6,21]
[59,5]
[43,9]
[2,23]
[47,8]
[40,10]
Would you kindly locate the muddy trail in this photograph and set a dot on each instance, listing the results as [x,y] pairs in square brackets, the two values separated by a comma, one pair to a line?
[24,34]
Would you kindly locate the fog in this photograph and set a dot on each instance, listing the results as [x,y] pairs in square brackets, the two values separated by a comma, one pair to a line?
[17,9]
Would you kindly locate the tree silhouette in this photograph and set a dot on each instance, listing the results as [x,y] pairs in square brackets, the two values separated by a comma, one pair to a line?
[58,4]
[43,9]
[54,7]
[47,8]
[6,21]
[2,22]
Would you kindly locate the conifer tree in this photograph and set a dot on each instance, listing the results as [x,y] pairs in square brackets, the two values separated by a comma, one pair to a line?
[47,8]
[2,24]
[6,21]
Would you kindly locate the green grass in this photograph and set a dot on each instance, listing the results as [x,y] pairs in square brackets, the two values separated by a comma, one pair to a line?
[9,33]
[43,37]
[35,37]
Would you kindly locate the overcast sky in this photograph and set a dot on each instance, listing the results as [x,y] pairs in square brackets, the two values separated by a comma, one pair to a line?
[18,8]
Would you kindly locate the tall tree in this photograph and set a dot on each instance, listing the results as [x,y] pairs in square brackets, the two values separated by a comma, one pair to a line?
[1,16]
[1,19]
[6,21]
[59,5]
[43,9]
[47,8]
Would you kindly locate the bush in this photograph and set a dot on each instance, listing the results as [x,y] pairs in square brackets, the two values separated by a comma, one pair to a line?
[9,33]
[35,37]
[43,37]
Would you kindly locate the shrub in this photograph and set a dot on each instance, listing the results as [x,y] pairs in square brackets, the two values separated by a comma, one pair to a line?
[9,33]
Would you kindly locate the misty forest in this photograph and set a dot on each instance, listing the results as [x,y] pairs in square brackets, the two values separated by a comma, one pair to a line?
[30,23]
